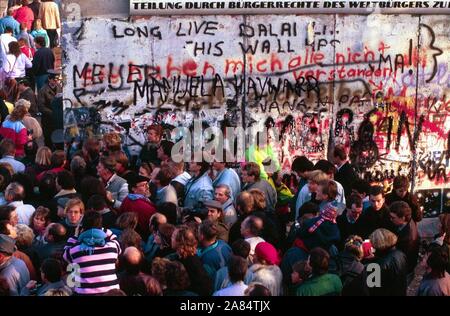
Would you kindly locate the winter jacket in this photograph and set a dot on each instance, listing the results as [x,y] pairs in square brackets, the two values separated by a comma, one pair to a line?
[17,132]
[143,207]
[197,191]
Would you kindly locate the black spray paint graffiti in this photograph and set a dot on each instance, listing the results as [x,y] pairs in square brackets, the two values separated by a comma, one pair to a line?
[364,151]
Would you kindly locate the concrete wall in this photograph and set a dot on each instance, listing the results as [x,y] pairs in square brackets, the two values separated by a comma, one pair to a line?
[378,84]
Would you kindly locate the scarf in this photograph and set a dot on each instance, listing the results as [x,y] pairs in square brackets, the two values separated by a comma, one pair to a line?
[92,238]
[328,213]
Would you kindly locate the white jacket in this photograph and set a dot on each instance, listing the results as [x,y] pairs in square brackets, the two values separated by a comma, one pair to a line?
[15,66]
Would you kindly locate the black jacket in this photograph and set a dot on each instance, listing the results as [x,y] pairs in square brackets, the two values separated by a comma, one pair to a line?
[43,60]
[371,220]
[393,268]
[201,283]
[346,229]
[408,242]
[346,176]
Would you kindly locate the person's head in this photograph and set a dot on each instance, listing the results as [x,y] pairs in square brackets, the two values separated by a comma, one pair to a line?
[132,260]
[152,285]
[130,238]
[51,270]
[266,254]
[154,133]
[164,176]
[260,200]
[91,186]
[14,192]
[127,220]
[177,167]
[309,208]
[207,233]
[5,178]
[7,229]
[57,292]
[14,49]
[399,213]
[215,211]
[300,165]
[9,30]
[145,169]
[112,142]
[376,197]
[9,12]
[164,234]
[237,269]
[139,185]
[438,262]
[354,246]
[43,156]
[177,278]
[252,226]
[25,236]
[382,240]
[319,259]
[339,155]
[257,290]
[222,193]
[91,148]
[301,271]
[241,248]
[354,206]
[7,248]
[8,212]
[197,169]
[78,166]
[245,202]
[326,190]
[74,211]
[165,150]
[37,25]
[361,187]
[251,172]
[155,221]
[121,161]
[400,186]
[65,180]
[92,220]
[22,83]
[184,242]
[7,147]
[326,167]
[158,268]
[96,203]
[40,219]
[55,233]
[106,167]
[115,292]
[314,178]
[169,210]
[218,165]
[58,159]
[18,113]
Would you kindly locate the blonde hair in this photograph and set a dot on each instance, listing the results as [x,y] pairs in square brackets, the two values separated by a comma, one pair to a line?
[23,102]
[74,202]
[43,156]
[383,239]
[317,176]
[112,141]
[259,199]
[24,237]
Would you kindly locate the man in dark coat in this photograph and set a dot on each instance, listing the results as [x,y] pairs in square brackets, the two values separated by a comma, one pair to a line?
[345,174]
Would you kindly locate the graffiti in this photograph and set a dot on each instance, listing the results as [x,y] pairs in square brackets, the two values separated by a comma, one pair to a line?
[321,80]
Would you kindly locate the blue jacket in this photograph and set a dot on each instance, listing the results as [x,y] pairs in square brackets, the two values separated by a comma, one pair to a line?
[197,191]
[324,236]
[229,177]
[215,257]
[9,21]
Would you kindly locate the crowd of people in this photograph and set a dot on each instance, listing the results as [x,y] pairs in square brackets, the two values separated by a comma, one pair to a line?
[85,218]
[160,227]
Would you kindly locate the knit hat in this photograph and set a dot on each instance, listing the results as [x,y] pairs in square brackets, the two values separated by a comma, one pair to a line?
[7,244]
[267,252]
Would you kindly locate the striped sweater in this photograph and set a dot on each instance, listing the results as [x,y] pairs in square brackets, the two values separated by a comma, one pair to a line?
[93,273]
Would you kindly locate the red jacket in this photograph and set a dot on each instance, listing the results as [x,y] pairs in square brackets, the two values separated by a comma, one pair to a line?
[143,207]
[17,132]
[25,15]
[43,173]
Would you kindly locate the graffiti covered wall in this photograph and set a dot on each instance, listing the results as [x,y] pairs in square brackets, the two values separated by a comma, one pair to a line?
[378,84]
